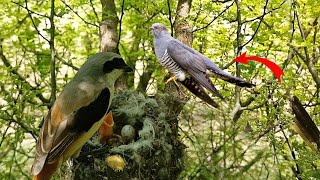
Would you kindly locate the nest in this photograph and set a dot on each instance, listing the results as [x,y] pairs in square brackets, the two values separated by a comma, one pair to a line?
[154,152]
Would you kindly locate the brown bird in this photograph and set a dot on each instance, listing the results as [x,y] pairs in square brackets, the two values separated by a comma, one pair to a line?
[77,114]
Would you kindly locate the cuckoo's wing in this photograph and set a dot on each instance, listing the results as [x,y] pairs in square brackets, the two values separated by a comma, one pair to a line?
[192,64]
[194,87]
[216,71]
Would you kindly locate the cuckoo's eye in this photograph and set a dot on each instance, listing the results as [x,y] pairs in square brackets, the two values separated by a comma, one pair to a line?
[161,28]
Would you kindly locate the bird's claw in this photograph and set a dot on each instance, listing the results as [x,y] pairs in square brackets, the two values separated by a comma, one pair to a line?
[170,79]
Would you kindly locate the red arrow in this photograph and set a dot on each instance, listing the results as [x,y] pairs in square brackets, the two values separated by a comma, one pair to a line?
[277,71]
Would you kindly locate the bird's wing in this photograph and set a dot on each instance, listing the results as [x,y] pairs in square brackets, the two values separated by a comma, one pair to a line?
[231,79]
[192,64]
[59,131]
[217,72]
[194,87]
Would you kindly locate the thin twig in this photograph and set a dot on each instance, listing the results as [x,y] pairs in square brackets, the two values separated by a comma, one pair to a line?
[22,125]
[94,11]
[14,71]
[307,59]
[199,29]
[256,31]
[33,23]
[198,12]
[170,17]
[76,13]
[269,12]
[120,22]
[41,15]
[53,60]
[66,63]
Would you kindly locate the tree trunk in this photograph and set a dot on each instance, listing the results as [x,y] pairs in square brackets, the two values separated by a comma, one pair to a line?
[181,24]
[108,29]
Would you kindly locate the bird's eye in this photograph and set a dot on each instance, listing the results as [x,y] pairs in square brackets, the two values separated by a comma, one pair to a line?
[161,28]
[115,63]
[155,28]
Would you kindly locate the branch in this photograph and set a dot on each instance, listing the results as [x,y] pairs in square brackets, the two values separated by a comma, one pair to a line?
[34,24]
[120,23]
[199,29]
[52,61]
[221,1]
[309,64]
[20,77]
[256,31]
[34,135]
[41,15]
[94,11]
[4,134]
[239,48]
[276,114]
[76,13]
[66,63]
[269,12]
[198,13]
[170,18]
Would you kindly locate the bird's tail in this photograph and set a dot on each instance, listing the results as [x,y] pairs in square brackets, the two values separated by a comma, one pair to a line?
[194,87]
[47,172]
[232,79]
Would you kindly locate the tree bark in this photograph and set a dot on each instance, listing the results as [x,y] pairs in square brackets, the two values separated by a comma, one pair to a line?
[108,28]
[181,24]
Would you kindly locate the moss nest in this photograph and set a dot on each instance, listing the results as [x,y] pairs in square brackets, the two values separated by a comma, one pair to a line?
[154,152]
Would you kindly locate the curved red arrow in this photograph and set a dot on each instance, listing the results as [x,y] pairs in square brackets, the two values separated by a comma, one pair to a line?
[277,71]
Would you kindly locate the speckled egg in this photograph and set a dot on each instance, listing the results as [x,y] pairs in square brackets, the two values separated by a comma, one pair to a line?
[128,132]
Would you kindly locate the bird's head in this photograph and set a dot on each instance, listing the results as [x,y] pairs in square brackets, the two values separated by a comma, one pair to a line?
[105,66]
[113,67]
[159,30]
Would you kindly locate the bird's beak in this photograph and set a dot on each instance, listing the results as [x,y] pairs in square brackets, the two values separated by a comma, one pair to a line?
[151,28]
[127,69]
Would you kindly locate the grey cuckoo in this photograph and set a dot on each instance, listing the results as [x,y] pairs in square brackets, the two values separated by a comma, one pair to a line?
[189,66]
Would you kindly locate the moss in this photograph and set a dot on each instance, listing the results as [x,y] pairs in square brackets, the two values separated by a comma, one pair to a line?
[155,147]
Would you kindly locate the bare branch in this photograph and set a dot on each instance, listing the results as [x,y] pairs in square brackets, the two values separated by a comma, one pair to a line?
[239,48]
[34,24]
[53,60]
[76,13]
[20,77]
[66,63]
[198,13]
[269,12]
[199,29]
[22,125]
[307,59]
[94,11]
[120,23]
[170,18]
[32,12]
[217,1]
[256,31]
[108,27]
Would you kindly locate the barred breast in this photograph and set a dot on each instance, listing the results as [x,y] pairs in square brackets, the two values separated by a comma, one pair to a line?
[167,62]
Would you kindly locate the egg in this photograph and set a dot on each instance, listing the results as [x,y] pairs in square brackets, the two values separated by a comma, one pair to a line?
[128,133]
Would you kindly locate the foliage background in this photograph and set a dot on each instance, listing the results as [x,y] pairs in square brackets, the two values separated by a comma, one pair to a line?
[42,44]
